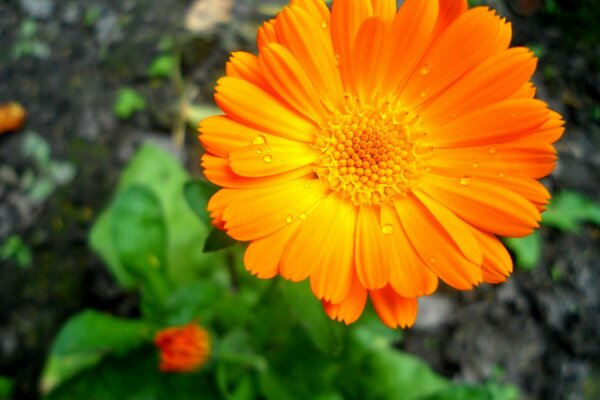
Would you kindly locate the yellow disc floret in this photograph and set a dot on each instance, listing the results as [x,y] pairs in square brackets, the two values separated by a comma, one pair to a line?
[372,153]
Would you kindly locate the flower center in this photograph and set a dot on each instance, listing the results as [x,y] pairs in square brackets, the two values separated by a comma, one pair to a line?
[372,153]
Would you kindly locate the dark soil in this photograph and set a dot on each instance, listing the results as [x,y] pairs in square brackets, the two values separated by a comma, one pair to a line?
[540,331]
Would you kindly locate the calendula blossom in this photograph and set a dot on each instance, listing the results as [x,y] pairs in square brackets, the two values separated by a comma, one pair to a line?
[182,348]
[375,151]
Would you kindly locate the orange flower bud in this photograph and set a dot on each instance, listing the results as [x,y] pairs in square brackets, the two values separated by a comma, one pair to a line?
[12,116]
[182,348]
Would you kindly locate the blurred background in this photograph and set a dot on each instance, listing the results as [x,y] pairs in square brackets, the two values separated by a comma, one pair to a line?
[97,78]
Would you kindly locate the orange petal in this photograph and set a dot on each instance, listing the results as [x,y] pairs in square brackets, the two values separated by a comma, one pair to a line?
[245,66]
[351,307]
[435,246]
[218,202]
[497,264]
[221,135]
[285,74]
[385,9]
[346,18]
[456,228]
[526,157]
[495,123]
[271,159]
[411,35]
[469,40]
[266,34]
[250,105]
[315,8]
[495,79]
[217,170]
[487,206]
[259,212]
[409,275]
[393,309]
[311,45]
[372,43]
[450,10]
[323,248]
[262,257]
[372,266]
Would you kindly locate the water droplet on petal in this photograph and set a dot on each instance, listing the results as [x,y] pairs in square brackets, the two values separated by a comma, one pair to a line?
[306,186]
[336,60]
[303,216]
[501,175]
[267,159]
[260,139]
[465,180]
[289,219]
[424,93]
[432,260]
[476,165]
[426,69]
[493,150]
[324,24]
[387,229]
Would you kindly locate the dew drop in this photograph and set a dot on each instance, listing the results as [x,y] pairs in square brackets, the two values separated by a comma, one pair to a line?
[289,219]
[336,60]
[306,186]
[501,175]
[493,150]
[424,93]
[475,164]
[324,24]
[303,216]
[432,260]
[260,139]
[267,159]
[387,229]
[465,180]
[426,69]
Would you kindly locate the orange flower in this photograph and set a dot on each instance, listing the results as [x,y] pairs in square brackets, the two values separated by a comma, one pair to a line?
[183,348]
[12,116]
[374,151]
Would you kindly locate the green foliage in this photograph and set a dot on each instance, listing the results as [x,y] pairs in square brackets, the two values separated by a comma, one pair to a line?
[85,340]
[128,102]
[162,66]
[27,43]
[13,248]
[217,240]
[6,387]
[270,339]
[45,174]
[567,212]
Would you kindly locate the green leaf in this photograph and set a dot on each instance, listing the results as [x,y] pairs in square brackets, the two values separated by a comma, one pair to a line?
[159,172]
[135,377]
[527,250]
[217,240]
[128,102]
[323,332]
[14,248]
[475,392]
[6,387]
[197,193]
[85,339]
[140,238]
[162,66]
[568,210]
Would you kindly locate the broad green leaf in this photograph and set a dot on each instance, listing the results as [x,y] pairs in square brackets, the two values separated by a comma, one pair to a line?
[325,333]
[140,237]
[161,173]
[136,377]
[197,193]
[475,392]
[85,339]
[527,250]
[217,240]
[568,210]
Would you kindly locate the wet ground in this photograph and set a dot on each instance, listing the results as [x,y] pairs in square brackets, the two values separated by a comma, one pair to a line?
[66,60]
